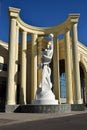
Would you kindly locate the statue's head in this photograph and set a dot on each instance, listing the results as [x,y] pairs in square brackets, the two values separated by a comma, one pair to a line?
[51,35]
[49,44]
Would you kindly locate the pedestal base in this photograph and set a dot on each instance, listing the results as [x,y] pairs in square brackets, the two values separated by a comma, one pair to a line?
[60,108]
[45,102]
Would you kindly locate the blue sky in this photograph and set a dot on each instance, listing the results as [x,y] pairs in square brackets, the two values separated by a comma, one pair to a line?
[44,13]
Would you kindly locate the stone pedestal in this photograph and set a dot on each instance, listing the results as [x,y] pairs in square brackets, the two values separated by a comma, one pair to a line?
[45,102]
[45,98]
[44,94]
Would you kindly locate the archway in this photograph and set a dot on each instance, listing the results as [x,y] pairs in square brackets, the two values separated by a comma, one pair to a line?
[82,81]
[2,90]
[62,81]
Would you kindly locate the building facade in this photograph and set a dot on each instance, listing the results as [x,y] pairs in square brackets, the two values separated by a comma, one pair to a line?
[20,74]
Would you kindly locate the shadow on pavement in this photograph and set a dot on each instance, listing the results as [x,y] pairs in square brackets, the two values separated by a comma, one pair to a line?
[74,122]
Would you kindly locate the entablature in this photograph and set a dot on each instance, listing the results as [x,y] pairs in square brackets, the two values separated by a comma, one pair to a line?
[59,29]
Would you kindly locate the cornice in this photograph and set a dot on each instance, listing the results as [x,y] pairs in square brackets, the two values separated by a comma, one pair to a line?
[82,46]
[59,29]
[4,44]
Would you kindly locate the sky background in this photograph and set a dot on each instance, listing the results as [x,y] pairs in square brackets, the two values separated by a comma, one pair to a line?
[44,13]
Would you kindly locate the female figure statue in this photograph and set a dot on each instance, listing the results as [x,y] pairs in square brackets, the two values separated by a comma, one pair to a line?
[44,94]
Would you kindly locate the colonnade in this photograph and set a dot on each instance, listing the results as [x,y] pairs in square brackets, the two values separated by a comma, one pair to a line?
[73,93]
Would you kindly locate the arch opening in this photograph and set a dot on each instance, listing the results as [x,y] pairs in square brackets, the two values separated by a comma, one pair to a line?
[82,82]
[62,81]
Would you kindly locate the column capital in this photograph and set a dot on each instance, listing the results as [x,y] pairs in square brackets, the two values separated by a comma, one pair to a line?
[33,34]
[24,32]
[55,35]
[17,27]
[66,30]
[14,12]
[40,39]
[74,18]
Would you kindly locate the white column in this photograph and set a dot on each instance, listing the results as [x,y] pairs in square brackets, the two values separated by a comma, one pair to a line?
[23,68]
[56,74]
[76,73]
[28,87]
[16,61]
[11,68]
[86,87]
[68,68]
[39,69]
[34,67]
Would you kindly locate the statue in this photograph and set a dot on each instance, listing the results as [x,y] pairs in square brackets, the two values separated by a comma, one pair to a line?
[44,94]
[48,52]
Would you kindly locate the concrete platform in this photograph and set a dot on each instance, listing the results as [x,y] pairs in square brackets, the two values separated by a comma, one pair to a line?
[62,108]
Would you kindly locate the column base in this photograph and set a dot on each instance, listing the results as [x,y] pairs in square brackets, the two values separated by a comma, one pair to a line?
[78,102]
[12,108]
[69,102]
[10,103]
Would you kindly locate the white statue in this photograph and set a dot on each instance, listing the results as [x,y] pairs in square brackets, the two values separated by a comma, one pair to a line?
[48,52]
[44,94]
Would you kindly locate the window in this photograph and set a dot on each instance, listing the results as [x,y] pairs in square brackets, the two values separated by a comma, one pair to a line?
[2,90]
[62,79]
[1,59]
[3,67]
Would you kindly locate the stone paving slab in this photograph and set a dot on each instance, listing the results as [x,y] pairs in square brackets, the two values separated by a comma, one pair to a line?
[12,118]
[6,121]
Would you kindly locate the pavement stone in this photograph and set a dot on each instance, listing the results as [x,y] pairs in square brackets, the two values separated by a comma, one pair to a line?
[14,118]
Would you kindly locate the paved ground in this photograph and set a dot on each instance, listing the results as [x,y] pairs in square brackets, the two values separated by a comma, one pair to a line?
[25,121]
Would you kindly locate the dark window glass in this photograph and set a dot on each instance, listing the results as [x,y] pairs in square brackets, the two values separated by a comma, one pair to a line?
[62,79]
[2,90]
[18,67]
[3,67]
